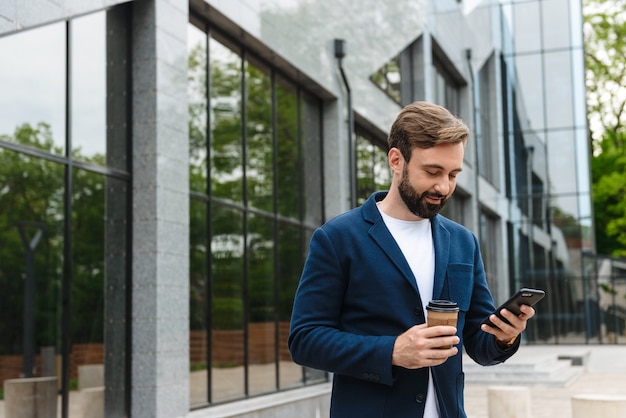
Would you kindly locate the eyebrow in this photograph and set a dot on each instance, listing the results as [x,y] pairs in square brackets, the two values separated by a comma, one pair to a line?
[439,167]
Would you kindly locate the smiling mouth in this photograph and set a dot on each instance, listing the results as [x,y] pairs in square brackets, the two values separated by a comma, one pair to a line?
[434,199]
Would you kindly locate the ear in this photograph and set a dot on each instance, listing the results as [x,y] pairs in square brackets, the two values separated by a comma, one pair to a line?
[396,160]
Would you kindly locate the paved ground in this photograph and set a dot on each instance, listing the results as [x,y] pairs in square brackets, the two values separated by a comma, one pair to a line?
[604,373]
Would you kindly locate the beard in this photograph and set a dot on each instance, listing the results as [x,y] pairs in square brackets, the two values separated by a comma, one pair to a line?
[416,202]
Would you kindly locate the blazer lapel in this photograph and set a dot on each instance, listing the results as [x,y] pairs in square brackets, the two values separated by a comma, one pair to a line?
[383,238]
[441,241]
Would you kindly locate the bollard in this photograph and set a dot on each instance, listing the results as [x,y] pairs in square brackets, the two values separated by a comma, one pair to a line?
[508,401]
[599,406]
[90,376]
[30,397]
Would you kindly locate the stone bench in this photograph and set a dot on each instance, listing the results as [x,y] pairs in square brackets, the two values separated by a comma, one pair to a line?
[599,406]
[31,397]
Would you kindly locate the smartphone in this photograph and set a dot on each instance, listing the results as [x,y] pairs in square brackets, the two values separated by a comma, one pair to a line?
[525,296]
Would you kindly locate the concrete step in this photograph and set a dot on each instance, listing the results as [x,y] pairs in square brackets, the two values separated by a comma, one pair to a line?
[547,369]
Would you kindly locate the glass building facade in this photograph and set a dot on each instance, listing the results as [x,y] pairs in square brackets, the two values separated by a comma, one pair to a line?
[164,163]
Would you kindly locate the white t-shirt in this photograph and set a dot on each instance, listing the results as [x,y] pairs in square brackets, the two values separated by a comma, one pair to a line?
[415,239]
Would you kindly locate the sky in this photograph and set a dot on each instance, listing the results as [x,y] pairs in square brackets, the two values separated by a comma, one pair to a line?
[33,85]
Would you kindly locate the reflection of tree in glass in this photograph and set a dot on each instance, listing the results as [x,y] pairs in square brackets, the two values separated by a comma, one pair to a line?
[88,218]
[225,111]
[372,169]
[388,78]
[290,167]
[271,167]
[32,190]
[196,94]
[259,147]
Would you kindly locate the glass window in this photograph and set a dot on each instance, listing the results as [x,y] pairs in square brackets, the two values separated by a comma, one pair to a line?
[262,326]
[287,149]
[311,132]
[34,98]
[487,140]
[289,268]
[559,93]
[445,88]
[87,284]
[225,92]
[198,316]
[63,225]
[389,78]
[489,239]
[198,105]
[263,159]
[31,262]
[88,69]
[526,25]
[402,77]
[372,167]
[530,81]
[226,304]
[457,209]
[259,176]
[555,23]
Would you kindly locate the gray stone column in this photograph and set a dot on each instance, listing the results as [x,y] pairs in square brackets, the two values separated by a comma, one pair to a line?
[336,159]
[160,291]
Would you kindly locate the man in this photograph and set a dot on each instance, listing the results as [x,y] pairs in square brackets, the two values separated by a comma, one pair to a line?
[359,311]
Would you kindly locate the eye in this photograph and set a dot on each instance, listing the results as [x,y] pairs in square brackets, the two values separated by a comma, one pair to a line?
[432,173]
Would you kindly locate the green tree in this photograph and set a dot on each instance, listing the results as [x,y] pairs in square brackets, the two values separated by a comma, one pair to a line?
[608,170]
[605,60]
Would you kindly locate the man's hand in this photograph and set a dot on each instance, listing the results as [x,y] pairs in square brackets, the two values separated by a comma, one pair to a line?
[507,332]
[423,346]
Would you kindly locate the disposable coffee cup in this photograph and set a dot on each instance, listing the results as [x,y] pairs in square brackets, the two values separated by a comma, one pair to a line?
[442,312]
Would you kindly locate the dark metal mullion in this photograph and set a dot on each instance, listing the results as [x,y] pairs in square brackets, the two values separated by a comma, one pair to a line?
[323,188]
[321,139]
[32,152]
[246,298]
[301,204]
[67,234]
[44,155]
[128,305]
[209,229]
[275,230]
[374,152]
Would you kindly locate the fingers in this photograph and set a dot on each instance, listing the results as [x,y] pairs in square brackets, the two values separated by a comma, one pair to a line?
[422,346]
[516,325]
[527,311]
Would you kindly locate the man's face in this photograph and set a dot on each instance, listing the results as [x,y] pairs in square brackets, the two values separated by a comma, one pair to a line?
[429,178]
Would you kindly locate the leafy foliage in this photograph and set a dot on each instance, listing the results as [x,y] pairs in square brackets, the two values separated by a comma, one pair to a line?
[605,60]
[32,196]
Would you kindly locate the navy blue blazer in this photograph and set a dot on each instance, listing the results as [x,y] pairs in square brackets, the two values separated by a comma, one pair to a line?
[357,294]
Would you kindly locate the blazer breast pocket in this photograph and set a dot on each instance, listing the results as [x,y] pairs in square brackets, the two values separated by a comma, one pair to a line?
[460,282]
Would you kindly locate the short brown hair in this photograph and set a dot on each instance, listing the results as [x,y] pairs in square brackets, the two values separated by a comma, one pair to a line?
[425,125]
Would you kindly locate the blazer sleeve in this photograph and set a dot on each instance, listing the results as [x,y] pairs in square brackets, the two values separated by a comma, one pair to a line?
[316,337]
[479,345]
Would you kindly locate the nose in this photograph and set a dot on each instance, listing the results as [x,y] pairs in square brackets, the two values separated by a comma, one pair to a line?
[443,186]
